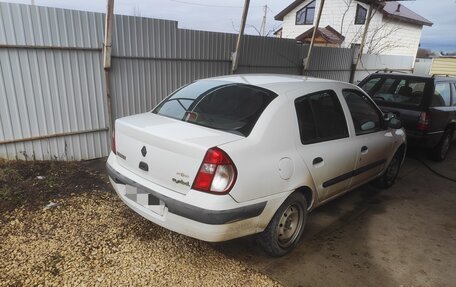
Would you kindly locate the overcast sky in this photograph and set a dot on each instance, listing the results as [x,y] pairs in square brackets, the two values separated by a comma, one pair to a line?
[224,15]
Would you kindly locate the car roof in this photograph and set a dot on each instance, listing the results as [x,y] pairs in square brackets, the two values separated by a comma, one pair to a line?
[397,74]
[278,83]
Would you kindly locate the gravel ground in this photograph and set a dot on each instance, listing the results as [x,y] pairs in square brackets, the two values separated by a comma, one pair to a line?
[89,238]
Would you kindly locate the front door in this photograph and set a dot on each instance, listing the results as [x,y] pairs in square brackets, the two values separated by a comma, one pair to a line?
[372,141]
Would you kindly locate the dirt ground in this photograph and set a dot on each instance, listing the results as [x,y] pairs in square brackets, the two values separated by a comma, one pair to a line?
[62,225]
[403,236]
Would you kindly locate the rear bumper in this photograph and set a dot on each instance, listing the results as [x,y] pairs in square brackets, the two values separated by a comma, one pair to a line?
[221,224]
[190,211]
[428,140]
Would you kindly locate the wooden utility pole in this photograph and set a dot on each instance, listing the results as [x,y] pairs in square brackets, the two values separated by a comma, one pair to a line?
[309,52]
[235,56]
[107,47]
[263,23]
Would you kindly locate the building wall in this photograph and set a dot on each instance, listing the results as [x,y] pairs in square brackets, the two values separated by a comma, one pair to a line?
[444,66]
[387,37]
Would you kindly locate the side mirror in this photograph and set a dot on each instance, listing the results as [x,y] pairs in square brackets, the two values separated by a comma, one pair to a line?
[394,123]
[388,116]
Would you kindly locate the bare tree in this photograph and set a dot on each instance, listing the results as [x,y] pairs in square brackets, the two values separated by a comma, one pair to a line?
[379,39]
[344,13]
[423,53]
[269,33]
[378,36]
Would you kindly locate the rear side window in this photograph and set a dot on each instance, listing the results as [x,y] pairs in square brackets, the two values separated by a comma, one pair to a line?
[320,117]
[365,115]
[442,95]
[405,91]
[219,105]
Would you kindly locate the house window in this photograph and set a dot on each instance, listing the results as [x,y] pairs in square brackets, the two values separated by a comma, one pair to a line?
[305,16]
[361,13]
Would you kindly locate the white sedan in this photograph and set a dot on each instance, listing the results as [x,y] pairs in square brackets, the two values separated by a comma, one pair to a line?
[231,156]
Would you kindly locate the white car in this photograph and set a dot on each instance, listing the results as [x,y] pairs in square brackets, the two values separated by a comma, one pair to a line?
[236,155]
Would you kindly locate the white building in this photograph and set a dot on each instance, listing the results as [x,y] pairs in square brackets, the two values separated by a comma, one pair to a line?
[394,29]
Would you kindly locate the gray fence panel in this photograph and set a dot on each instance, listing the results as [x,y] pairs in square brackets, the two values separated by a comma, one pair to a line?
[137,85]
[135,37]
[45,26]
[51,86]
[330,63]
[45,92]
[269,52]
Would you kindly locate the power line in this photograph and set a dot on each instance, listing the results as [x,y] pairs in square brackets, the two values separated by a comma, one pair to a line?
[207,5]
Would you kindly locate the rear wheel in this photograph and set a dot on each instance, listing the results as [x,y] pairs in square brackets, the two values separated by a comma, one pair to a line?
[285,228]
[440,152]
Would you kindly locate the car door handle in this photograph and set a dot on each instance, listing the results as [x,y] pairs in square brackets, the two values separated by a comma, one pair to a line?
[317,160]
[364,148]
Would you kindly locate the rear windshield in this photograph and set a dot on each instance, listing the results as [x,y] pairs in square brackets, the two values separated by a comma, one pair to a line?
[394,90]
[230,107]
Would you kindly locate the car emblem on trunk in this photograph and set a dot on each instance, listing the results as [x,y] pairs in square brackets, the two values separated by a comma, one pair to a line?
[144,151]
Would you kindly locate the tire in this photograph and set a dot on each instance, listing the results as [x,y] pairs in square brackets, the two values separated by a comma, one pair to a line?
[389,176]
[286,226]
[440,152]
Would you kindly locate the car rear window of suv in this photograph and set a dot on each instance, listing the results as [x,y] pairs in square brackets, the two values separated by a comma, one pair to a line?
[403,91]
[231,107]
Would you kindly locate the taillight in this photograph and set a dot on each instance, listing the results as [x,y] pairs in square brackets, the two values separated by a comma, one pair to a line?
[113,142]
[424,122]
[217,173]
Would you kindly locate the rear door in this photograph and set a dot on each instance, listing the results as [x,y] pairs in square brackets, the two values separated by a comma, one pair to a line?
[325,143]
[373,141]
[440,109]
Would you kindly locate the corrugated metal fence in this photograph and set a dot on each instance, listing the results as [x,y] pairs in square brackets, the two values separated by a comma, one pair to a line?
[51,92]
[51,76]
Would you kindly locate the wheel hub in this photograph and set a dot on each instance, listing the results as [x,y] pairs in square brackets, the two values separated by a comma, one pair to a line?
[289,225]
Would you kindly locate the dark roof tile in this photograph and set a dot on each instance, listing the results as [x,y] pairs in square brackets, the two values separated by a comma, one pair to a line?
[389,10]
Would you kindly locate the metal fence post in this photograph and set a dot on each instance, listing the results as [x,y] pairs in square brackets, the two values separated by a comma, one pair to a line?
[107,48]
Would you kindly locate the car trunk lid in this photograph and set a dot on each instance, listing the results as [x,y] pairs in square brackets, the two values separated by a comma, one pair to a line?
[166,151]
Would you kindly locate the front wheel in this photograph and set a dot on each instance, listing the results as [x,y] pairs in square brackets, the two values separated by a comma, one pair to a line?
[285,228]
[388,177]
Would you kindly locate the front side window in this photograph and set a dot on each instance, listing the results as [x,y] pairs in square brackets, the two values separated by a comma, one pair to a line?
[442,95]
[366,117]
[219,105]
[305,16]
[320,117]
[361,13]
